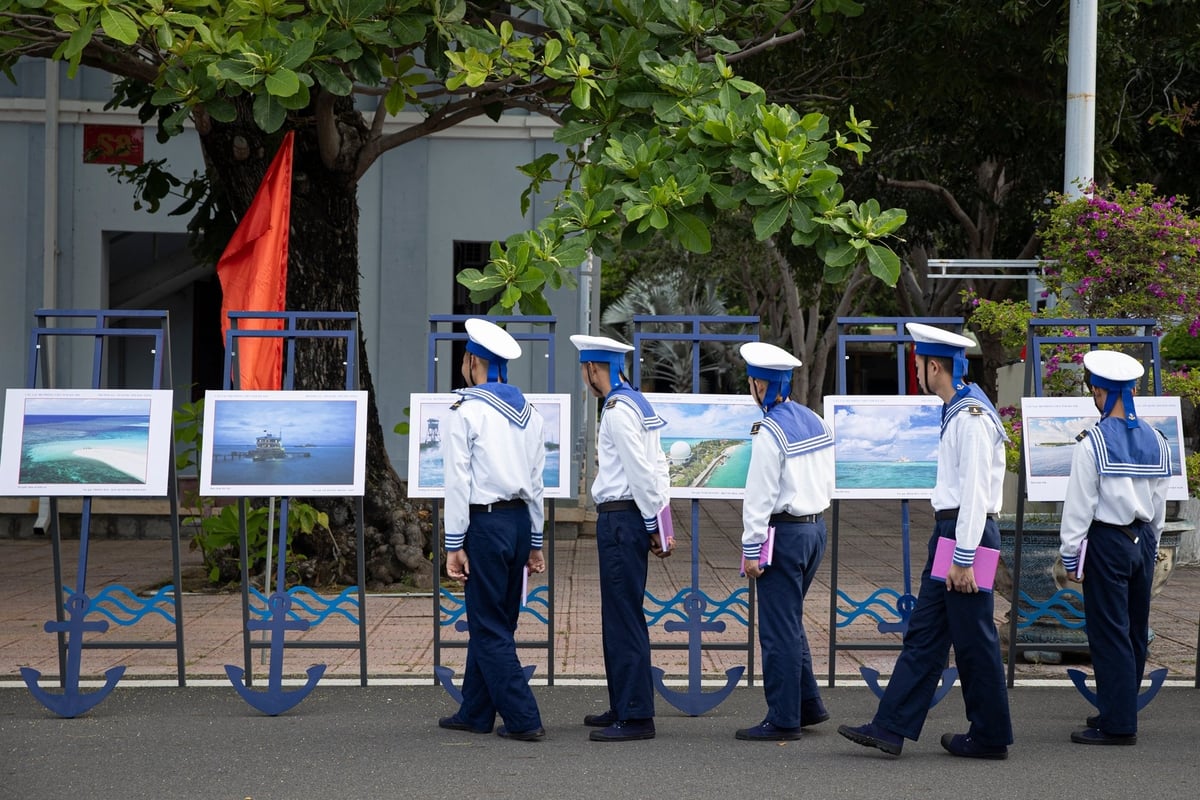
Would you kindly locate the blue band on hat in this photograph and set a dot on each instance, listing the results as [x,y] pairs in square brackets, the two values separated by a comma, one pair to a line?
[1124,389]
[779,383]
[497,366]
[615,361]
[938,349]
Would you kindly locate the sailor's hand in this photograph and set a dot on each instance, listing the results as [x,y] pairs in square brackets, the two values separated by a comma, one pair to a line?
[961,579]
[457,565]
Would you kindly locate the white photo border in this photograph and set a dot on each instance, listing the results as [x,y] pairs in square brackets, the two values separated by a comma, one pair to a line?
[902,403]
[158,447]
[421,408]
[295,401]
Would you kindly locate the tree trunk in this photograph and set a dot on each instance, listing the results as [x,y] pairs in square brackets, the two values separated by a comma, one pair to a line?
[323,275]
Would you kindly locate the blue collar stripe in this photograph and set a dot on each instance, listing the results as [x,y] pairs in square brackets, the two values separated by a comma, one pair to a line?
[795,448]
[1139,452]
[650,419]
[971,396]
[796,429]
[506,399]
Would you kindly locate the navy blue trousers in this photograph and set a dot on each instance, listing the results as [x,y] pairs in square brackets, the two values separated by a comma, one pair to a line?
[788,677]
[623,546]
[497,550]
[940,619]
[1117,577]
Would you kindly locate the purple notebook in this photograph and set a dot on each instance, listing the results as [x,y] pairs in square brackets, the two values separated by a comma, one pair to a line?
[986,561]
[666,528]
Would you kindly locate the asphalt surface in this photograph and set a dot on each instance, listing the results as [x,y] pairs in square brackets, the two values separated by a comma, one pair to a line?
[383,742]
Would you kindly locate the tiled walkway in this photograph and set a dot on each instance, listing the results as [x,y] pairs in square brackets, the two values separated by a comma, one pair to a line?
[400,628]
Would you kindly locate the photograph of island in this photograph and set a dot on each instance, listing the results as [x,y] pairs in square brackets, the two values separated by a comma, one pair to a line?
[62,442]
[1051,425]
[885,446]
[706,442]
[275,444]
[427,419]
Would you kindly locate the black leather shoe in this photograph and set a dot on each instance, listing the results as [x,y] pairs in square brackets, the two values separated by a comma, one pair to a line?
[628,730]
[537,734]
[767,732]
[1097,736]
[600,720]
[812,712]
[871,735]
[1093,721]
[963,746]
[456,724]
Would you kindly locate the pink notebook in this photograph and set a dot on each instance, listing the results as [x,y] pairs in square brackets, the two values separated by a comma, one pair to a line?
[766,553]
[986,561]
[666,528]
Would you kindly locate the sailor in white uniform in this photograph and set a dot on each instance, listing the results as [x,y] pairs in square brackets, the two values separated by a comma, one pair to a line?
[494,455]
[788,487]
[1116,501]
[966,498]
[632,485]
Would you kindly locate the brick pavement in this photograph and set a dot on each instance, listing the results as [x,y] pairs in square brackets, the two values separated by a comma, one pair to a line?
[400,627]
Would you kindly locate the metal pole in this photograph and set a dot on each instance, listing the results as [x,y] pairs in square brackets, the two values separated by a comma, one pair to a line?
[1081,98]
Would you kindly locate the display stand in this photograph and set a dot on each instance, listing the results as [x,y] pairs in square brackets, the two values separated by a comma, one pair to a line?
[691,603]
[449,608]
[880,600]
[275,614]
[118,603]
[1026,610]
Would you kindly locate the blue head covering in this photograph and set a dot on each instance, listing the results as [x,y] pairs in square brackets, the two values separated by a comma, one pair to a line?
[1116,373]
[603,350]
[494,345]
[939,343]
[772,364]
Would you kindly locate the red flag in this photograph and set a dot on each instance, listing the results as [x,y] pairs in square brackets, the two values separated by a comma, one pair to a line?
[253,272]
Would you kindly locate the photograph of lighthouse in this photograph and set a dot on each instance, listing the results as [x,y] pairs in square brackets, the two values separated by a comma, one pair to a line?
[272,444]
[427,425]
[64,442]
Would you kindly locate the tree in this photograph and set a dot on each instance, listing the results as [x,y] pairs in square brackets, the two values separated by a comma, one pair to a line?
[968,100]
[658,132]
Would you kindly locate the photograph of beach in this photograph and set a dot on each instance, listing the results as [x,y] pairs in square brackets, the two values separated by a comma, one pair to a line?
[885,446]
[706,442]
[427,420]
[86,442]
[1051,425]
[272,444]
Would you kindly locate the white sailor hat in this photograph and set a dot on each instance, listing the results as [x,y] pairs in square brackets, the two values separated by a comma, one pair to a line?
[600,348]
[766,361]
[1112,367]
[932,341]
[488,340]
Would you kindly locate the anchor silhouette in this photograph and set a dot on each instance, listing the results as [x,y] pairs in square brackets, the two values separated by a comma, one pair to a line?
[694,701]
[72,702]
[1156,681]
[274,700]
[949,676]
[904,607]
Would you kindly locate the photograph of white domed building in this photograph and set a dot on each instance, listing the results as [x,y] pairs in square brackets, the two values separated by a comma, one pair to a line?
[706,442]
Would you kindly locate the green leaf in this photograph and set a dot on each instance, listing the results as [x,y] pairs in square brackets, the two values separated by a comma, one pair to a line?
[770,220]
[117,25]
[269,113]
[282,83]
[884,264]
[331,78]
[691,232]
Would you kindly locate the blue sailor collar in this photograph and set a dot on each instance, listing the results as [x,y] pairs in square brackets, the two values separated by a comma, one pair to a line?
[625,394]
[971,398]
[795,428]
[505,398]
[1140,452]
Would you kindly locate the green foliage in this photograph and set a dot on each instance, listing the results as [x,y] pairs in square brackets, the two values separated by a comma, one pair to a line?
[217,529]
[659,130]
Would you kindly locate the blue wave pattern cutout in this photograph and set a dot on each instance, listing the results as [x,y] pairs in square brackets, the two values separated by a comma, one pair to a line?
[453,607]
[1064,606]
[123,607]
[676,608]
[891,605]
[316,608]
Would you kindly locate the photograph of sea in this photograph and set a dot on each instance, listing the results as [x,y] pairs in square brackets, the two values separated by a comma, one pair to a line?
[426,464]
[706,442]
[1051,425]
[884,446]
[284,443]
[82,443]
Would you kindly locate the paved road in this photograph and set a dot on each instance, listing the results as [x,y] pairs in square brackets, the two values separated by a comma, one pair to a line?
[383,742]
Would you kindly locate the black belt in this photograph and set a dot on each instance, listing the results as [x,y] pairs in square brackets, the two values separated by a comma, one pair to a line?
[951,513]
[807,519]
[516,502]
[617,505]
